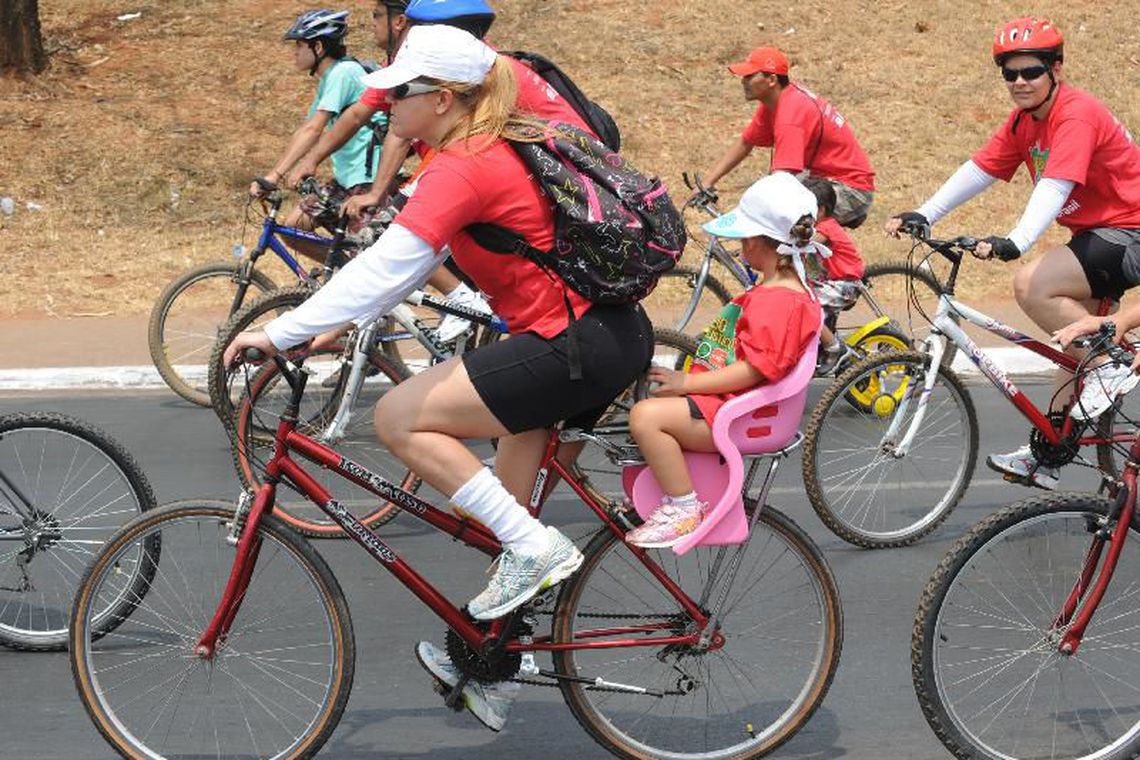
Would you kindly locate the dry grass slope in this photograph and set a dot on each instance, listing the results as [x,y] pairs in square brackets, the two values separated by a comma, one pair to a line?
[139,140]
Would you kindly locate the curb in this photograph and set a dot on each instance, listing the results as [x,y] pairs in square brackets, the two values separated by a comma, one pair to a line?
[1012,361]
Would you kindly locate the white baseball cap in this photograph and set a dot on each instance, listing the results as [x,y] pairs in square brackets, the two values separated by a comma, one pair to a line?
[771,207]
[440,52]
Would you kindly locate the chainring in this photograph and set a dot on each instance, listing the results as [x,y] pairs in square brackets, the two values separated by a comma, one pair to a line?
[1055,454]
[493,665]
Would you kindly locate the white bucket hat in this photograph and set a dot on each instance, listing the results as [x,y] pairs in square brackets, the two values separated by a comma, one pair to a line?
[440,52]
[771,207]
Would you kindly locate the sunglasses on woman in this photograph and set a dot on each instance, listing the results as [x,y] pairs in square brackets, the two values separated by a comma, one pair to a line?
[1027,74]
[411,89]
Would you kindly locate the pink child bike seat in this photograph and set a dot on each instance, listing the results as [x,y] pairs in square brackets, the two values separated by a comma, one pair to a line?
[762,421]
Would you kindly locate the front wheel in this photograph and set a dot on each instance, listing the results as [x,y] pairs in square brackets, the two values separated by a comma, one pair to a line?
[863,483]
[274,688]
[741,697]
[985,660]
[187,317]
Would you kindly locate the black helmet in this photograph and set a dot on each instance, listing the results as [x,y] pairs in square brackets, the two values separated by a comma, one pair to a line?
[319,24]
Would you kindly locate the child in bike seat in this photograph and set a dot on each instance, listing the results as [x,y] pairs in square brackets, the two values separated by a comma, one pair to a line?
[319,48]
[758,339]
[838,286]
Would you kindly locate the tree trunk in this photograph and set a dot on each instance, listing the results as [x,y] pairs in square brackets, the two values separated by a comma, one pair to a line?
[21,44]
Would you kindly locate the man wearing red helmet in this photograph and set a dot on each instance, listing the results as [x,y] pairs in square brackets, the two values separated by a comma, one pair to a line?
[1086,174]
[807,135]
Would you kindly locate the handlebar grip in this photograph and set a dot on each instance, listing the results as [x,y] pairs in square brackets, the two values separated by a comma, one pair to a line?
[253,355]
[265,184]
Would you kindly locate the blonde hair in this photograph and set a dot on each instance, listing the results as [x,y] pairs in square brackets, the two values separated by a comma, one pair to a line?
[492,108]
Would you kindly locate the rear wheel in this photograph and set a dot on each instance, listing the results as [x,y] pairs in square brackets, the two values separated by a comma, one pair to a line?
[259,412]
[186,319]
[274,688]
[742,696]
[226,384]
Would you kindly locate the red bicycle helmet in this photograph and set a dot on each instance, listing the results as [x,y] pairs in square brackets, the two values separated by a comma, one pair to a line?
[1031,36]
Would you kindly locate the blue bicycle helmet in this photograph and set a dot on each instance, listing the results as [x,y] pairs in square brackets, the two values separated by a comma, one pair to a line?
[475,16]
[319,24]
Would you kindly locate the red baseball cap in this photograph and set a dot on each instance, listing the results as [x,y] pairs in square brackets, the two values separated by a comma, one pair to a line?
[767,59]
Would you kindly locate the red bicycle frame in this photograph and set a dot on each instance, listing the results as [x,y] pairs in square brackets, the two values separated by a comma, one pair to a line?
[282,465]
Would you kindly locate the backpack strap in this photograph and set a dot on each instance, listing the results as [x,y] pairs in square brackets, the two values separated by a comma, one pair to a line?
[499,239]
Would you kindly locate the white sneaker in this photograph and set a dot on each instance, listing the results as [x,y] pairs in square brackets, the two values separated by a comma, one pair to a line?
[1020,464]
[490,703]
[451,326]
[519,577]
[1101,388]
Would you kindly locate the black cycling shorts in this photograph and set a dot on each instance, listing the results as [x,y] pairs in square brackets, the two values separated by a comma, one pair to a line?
[525,379]
[1110,259]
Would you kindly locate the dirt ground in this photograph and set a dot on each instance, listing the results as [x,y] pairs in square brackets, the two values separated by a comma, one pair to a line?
[135,147]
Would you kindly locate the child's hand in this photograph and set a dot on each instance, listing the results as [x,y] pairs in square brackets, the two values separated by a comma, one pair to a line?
[669,382]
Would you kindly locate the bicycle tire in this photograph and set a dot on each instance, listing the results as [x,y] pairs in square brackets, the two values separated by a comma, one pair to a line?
[115,479]
[157,339]
[825,425]
[940,630]
[933,289]
[601,721]
[222,396]
[249,438]
[152,642]
[689,274]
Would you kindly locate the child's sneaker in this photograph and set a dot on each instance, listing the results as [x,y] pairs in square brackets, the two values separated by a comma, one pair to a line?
[451,326]
[668,524]
[1101,388]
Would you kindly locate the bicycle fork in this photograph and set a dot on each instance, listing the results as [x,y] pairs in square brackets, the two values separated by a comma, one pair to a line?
[1077,621]
[936,347]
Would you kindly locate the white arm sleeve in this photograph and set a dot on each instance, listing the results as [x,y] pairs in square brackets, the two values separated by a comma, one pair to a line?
[369,285]
[1044,205]
[963,185]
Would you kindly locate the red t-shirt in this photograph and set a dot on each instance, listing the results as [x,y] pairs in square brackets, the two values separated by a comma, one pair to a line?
[775,327]
[466,184]
[844,263]
[535,97]
[1081,141]
[806,132]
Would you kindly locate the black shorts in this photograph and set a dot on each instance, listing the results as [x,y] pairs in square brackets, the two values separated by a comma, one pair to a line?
[525,379]
[1110,259]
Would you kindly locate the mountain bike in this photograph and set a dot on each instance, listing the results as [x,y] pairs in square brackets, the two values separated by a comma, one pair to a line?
[872,314]
[888,469]
[243,644]
[65,487]
[1024,640]
[185,320]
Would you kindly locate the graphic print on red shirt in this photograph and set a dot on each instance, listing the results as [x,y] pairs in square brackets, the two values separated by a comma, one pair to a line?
[481,182]
[774,326]
[1080,141]
[807,132]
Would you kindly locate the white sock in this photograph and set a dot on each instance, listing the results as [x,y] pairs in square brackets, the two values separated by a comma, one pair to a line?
[688,500]
[485,498]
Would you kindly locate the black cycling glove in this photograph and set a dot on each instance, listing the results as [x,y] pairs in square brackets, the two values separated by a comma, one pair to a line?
[1004,248]
[912,220]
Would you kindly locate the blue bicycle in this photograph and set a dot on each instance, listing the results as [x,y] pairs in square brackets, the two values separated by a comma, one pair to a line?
[188,315]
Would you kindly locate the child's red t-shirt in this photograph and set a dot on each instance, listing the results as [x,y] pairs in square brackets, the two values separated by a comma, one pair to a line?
[768,327]
[844,263]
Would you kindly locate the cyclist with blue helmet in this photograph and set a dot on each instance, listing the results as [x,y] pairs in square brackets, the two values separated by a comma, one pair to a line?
[319,48]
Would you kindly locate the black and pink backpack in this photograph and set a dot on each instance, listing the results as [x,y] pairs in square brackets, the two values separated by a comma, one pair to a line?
[615,230]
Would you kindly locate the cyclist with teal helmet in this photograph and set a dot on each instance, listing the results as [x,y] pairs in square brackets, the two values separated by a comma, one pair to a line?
[319,48]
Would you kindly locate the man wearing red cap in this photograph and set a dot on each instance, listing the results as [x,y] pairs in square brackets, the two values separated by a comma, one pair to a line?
[807,135]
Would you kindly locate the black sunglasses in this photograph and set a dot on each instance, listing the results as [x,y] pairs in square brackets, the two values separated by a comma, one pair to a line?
[1028,74]
[411,89]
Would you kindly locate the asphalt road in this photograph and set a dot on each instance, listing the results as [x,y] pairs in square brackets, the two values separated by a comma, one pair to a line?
[870,712]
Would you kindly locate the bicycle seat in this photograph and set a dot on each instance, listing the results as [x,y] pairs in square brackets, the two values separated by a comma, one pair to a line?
[762,421]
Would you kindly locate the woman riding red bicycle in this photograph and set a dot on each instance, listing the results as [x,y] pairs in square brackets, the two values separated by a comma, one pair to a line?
[453,92]
[1086,174]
